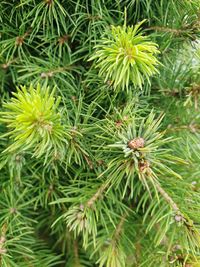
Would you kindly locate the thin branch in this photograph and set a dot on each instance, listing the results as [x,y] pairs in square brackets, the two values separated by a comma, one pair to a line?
[166,29]
[119,228]
[97,195]
[193,128]
[76,254]
[165,195]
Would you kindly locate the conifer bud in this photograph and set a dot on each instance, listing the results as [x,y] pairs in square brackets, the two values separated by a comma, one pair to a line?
[5,66]
[81,207]
[2,251]
[13,210]
[177,247]
[43,75]
[144,165]
[178,218]
[2,240]
[136,143]
[19,40]
[118,123]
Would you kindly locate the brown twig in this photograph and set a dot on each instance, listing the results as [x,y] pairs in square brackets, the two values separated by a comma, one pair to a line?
[97,195]
[169,200]
[76,254]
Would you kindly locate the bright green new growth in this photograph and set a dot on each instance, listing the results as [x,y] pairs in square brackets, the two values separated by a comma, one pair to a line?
[34,122]
[126,57]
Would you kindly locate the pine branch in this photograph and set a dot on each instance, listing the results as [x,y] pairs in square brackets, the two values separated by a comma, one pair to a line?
[88,154]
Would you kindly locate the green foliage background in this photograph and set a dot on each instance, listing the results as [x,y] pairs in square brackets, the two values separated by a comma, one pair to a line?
[99,142]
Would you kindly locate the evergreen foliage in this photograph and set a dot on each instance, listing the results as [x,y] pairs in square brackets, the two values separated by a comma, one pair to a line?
[124,56]
[99,133]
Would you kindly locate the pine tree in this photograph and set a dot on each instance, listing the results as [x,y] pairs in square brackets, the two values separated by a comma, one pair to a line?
[99,133]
